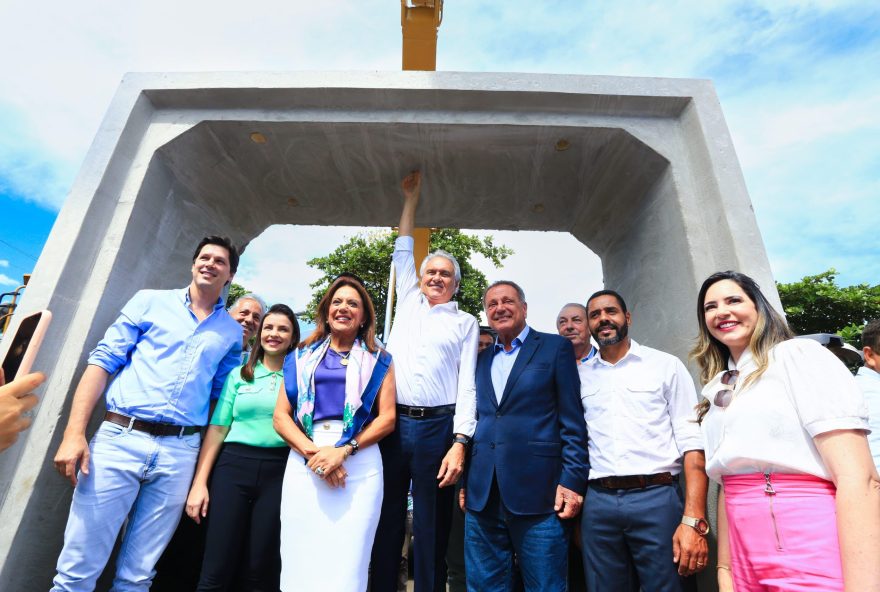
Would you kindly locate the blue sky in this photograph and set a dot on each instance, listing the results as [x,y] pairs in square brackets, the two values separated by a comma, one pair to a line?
[798,83]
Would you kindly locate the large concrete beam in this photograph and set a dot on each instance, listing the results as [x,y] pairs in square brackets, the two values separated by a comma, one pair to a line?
[642,171]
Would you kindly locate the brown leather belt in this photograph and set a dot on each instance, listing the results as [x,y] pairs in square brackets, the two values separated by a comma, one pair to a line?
[634,481]
[151,427]
[424,412]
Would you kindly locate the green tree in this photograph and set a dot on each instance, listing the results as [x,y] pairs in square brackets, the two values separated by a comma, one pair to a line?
[236,291]
[369,257]
[816,304]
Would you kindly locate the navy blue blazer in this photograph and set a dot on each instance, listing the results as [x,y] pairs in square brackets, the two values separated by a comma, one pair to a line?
[536,438]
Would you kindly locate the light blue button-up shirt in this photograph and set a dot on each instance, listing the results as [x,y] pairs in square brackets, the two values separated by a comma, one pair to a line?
[869,382]
[169,364]
[502,362]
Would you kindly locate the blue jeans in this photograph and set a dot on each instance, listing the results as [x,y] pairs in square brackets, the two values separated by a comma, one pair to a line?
[131,475]
[627,538]
[494,535]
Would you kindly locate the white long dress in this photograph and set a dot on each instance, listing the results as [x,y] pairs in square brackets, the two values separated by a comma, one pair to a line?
[327,534]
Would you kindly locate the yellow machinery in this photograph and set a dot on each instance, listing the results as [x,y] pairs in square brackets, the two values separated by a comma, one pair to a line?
[8,307]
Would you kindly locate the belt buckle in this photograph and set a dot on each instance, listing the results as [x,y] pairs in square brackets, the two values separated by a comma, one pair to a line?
[417,412]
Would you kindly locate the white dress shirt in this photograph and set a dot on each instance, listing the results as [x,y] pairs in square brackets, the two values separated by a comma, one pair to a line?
[869,381]
[770,424]
[434,347]
[639,412]
[503,361]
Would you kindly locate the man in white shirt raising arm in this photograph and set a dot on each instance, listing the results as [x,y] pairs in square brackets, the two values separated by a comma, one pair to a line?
[435,350]
[639,407]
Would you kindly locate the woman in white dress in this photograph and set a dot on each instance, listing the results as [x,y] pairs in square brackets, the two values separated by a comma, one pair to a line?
[337,402]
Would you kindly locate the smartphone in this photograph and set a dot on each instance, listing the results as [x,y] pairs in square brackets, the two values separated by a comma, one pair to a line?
[25,344]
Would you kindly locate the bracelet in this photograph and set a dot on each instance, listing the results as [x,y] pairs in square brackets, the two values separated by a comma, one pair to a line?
[345,452]
[722,567]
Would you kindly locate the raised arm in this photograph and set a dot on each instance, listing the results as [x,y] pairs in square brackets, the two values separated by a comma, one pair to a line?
[411,187]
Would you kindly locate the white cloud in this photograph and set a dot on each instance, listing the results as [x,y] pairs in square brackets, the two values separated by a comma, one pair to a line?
[4,263]
[5,280]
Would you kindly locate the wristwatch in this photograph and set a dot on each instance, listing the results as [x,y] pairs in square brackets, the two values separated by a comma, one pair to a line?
[354,446]
[698,524]
[461,439]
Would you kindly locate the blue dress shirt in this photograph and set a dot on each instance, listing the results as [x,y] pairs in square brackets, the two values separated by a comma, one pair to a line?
[169,364]
[502,362]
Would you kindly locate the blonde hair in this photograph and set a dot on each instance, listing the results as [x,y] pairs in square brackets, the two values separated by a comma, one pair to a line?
[711,355]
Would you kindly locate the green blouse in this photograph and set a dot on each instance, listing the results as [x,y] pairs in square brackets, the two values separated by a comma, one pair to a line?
[248,406]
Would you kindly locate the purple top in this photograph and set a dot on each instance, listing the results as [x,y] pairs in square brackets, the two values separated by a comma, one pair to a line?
[329,387]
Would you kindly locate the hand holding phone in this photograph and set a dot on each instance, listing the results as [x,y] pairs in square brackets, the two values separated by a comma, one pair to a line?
[16,399]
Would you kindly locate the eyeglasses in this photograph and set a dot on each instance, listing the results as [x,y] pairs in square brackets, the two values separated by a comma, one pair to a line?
[725,395]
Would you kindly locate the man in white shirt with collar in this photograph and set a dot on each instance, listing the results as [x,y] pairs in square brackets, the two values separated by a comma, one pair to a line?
[434,346]
[639,408]
[868,378]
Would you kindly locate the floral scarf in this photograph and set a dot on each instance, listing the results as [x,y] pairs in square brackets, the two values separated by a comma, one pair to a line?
[358,372]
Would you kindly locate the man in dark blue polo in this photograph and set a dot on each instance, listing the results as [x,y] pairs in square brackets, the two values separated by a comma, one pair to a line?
[170,351]
[528,462]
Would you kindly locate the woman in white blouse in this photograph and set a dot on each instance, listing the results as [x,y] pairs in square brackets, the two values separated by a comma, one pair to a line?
[784,426]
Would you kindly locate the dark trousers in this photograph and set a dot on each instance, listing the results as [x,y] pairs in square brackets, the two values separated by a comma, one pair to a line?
[627,538]
[244,525]
[413,452]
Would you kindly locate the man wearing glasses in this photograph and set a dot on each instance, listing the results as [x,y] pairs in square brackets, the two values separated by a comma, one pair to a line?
[639,408]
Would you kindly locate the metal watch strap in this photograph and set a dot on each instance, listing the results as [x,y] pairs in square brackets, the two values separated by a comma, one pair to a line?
[698,524]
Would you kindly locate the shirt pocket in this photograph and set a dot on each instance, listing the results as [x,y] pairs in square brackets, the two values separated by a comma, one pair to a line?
[592,401]
[643,400]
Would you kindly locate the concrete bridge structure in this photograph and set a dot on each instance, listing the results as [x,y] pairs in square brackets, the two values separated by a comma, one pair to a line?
[641,170]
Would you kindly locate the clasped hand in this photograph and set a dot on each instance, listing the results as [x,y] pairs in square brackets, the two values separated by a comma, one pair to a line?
[329,459]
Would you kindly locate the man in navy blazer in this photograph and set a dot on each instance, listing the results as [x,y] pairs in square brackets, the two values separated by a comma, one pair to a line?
[528,460]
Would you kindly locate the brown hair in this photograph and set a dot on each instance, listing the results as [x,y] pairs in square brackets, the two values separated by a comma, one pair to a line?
[366,332]
[247,371]
[711,355]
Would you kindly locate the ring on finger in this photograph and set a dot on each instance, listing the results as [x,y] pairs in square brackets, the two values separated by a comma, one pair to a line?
[319,471]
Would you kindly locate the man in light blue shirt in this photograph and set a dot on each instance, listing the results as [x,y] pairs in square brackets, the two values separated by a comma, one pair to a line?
[170,352]
[869,381]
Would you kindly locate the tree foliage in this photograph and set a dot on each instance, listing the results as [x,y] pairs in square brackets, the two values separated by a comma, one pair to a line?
[236,291]
[369,257]
[816,304]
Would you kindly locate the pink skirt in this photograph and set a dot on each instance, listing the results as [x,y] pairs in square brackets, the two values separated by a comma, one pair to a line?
[785,540]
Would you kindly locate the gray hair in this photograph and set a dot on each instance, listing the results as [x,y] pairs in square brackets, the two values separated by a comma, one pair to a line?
[449,257]
[574,305]
[514,285]
[250,296]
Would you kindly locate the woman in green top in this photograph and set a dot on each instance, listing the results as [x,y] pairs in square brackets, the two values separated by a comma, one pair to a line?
[243,536]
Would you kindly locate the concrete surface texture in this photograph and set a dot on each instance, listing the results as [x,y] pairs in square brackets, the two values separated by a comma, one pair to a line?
[641,170]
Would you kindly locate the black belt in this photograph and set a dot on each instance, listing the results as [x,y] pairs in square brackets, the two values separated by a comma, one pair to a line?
[153,428]
[423,412]
[634,481]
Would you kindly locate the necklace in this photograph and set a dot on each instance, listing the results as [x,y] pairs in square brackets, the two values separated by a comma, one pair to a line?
[343,358]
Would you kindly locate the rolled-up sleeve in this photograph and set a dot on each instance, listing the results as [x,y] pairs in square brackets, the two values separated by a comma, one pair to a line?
[112,352]
[465,421]
[682,401]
